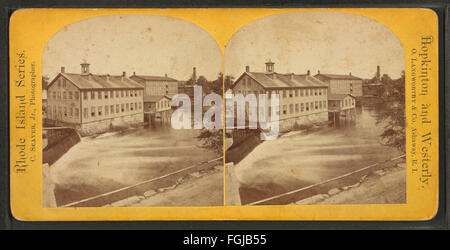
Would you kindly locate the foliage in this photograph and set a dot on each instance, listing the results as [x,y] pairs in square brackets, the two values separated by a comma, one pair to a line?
[394,133]
[212,140]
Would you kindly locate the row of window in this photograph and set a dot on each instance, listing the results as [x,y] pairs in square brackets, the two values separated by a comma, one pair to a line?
[163,104]
[289,93]
[298,108]
[65,95]
[119,108]
[69,95]
[94,111]
[92,95]
[348,102]
[59,112]
[304,107]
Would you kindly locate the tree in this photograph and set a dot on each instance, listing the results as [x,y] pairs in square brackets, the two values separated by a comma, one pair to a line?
[212,139]
[394,133]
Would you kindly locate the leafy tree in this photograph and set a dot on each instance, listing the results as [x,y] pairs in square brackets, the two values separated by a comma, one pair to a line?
[394,133]
[212,139]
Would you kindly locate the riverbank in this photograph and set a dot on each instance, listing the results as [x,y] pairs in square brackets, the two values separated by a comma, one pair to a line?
[188,191]
[385,186]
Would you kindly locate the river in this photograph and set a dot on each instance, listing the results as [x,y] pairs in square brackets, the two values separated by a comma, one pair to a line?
[115,160]
[300,159]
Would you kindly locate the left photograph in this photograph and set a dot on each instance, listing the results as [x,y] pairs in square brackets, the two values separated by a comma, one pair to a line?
[110,88]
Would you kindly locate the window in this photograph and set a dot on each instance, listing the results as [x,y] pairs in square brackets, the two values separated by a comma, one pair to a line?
[284,93]
[70,95]
[64,95]
[117,93]
[284,109]
[111,108]
[64,83]
[315,91]
[316,106]
[117,108]
[306,92]
[111,94]
[302,92]
[85,113]
[65,112]
[320,105]
[312,106]
[99,110]
[106,95]
[92,111]
[71,112]
[76,95]
[128,93]
[296,108]
[122,93]
[92,95]
[106,110]
[99,95]
[140,105]
[123,108]
[291,108]
[307,106]
[291,93]
[128,107]
[325,104]
[296,92]
[302,107]
[85,95]
[77,112]
[131,106]
[320,91]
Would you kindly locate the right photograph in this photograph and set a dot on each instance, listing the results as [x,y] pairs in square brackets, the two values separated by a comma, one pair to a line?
[315,111]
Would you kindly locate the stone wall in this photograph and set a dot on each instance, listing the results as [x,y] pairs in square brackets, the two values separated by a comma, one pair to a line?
[106,125]
[59,141]
[303,121]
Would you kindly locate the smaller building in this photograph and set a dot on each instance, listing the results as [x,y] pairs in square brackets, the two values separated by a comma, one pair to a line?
[341,105]
[339,102]
[156,103]
[157,107]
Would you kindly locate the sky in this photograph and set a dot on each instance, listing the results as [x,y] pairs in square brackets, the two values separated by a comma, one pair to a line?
[332,42]
[145,44]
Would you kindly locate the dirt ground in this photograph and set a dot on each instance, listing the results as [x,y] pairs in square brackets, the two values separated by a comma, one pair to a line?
[382,187]
[204,190]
